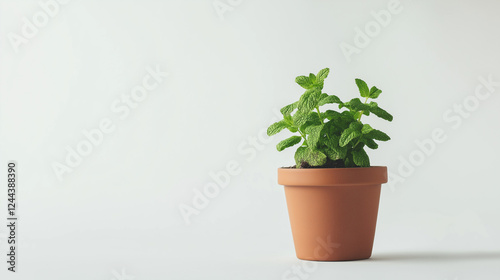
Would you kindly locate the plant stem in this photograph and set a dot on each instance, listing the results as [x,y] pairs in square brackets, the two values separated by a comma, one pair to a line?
[319,114]
[366,100]
[355,144]
[303,135]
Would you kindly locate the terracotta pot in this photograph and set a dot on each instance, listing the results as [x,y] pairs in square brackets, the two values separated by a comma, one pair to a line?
[333,211]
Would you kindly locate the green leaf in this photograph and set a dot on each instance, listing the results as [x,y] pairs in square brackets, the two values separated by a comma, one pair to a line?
[369,143]
[355,104]
[338,123]
[357,115]
[333,139]
[288,142]
[341,152]
[363,88]
[347,116]
[348,135]
[322,74]
[328,99]
[331,129]
[330,114]
[360,158]
[336,153]
[378,135]
[289,123]
[374,92]
[304,82]
[313,157]
[300,155]
[366,128]
[312,78]
[308,100]
[379,112]
[288,109]
[300,119]
[308,124]
[314,133]
[276,127]
[356,125]
[312,119]
[330,154]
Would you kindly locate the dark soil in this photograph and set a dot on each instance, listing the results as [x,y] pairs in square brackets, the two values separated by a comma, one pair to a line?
[329,164]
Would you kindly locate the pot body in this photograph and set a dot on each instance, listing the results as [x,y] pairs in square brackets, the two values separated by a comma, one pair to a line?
[333,211]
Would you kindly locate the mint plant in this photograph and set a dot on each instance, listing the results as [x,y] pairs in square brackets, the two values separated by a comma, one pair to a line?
[330,138]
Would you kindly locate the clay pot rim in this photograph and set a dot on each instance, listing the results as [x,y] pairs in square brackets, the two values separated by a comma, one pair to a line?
[334,168]
[349,176]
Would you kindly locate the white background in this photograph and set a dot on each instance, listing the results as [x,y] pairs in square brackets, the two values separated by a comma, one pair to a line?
[116,214]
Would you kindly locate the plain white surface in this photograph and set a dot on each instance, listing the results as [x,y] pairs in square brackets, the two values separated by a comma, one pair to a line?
[116,215]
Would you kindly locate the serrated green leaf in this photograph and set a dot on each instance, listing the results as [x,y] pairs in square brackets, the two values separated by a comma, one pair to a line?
[369,143]
[319,84]
[300,119]
[304,82]
[374,92]
[312,156]
[363,88]
[309,129]
[288,109]
[330,114]
[300,155]
[338,123]
[378,135]
[330,129]
[289,142]
[348,116]
[333,139]
[341,151]
[356,125]
[308,100]
[379,112]
[289,123]
[355,104]
[357,115]
[329,99]
[366,128]
[312,78]
[330,154]
[308,124]
[322,74]
[360,158]
[276,127]
[314,134]
[348,135]
[336,152]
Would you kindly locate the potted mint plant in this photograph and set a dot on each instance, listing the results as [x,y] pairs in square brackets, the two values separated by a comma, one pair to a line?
[332,192]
